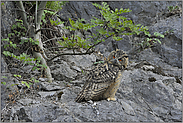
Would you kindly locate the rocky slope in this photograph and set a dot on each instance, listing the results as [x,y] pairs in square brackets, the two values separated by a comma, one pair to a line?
[150,90]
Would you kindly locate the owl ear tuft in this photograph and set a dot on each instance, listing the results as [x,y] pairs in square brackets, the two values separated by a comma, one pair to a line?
[105,58]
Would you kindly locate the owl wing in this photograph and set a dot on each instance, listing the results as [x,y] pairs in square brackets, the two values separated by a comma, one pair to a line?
[98,81]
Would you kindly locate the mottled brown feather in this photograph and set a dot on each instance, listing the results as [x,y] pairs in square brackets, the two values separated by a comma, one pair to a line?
[102,78]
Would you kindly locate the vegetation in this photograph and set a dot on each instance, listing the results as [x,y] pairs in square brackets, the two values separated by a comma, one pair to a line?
[111,25]
[172,8]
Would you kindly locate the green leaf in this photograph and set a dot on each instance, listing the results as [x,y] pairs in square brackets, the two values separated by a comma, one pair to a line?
[34,68]
[159,34]
[138,24]
[36,80]
[6,53]
[5,39]
[4,83]
[4,77]
[11,34]
[99,62]
[13,84]
[157,40]
[15,75]
[23,82]
[147,33]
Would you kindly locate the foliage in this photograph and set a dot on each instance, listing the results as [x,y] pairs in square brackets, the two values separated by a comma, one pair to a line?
[55,5]
[167,32]
[148,42]
[18,30]
[99,62]
[52,7]
[111,24]
[172,8]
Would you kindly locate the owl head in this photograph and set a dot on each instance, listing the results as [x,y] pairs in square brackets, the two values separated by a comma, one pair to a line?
[118,58]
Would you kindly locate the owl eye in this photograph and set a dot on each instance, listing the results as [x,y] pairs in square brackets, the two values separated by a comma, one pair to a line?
[114,57]
[120,59]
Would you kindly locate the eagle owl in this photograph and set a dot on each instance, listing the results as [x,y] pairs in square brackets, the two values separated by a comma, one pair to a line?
[103,81]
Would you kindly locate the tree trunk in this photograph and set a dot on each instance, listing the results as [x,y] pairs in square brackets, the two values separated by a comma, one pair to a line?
[34,35]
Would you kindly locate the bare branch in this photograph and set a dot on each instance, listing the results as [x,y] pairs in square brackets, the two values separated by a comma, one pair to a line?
[36,15]
[22,13]
[61,47]
[46,9]
[40,13]
[52,39]
[85,53]
[20,10]
[93,46]
[45,29]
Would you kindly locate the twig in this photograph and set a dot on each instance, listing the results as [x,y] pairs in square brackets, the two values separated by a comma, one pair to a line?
[61,47]
[45,29]
[24,79]
[93,46]
[71,54]
[52,39]
[20,10]
[46,9]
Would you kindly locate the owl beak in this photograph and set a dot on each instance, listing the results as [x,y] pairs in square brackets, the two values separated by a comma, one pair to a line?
[115,61]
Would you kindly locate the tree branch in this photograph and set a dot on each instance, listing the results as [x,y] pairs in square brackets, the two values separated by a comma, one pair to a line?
[45,29]
[52,39]
[20,10]
[85,53]
[40,13]
[36,16]
[22,13]
[60,47]
[93,46]
[46,9]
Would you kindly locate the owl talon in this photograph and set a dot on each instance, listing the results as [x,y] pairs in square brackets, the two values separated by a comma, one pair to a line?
[111,99]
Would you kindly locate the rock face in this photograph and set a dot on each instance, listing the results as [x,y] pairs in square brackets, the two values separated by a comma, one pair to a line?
[7,18]
[150,90]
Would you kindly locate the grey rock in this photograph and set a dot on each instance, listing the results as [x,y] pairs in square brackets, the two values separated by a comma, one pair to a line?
[42,79]
[3,65]
[50,86]
[141,101]
[155,59]
[171,47]
[38,112]
[47,94]
[64,119]
[127,108]
[76,68]
[8,18]
[28,101]
[62,72]
[169,80]
[146,67]
[82,61]
[77,82]
[154,96]
[148,92]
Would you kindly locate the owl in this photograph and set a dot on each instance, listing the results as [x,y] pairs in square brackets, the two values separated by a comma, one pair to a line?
[103,81]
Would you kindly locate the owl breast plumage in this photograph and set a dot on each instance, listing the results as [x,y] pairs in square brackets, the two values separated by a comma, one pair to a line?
[103,81]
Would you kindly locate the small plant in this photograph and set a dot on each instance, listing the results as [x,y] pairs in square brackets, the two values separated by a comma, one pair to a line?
[149,42]
[111,25]
[99,62]
[4,83]
[168,32]
[10,46]
[173,8]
